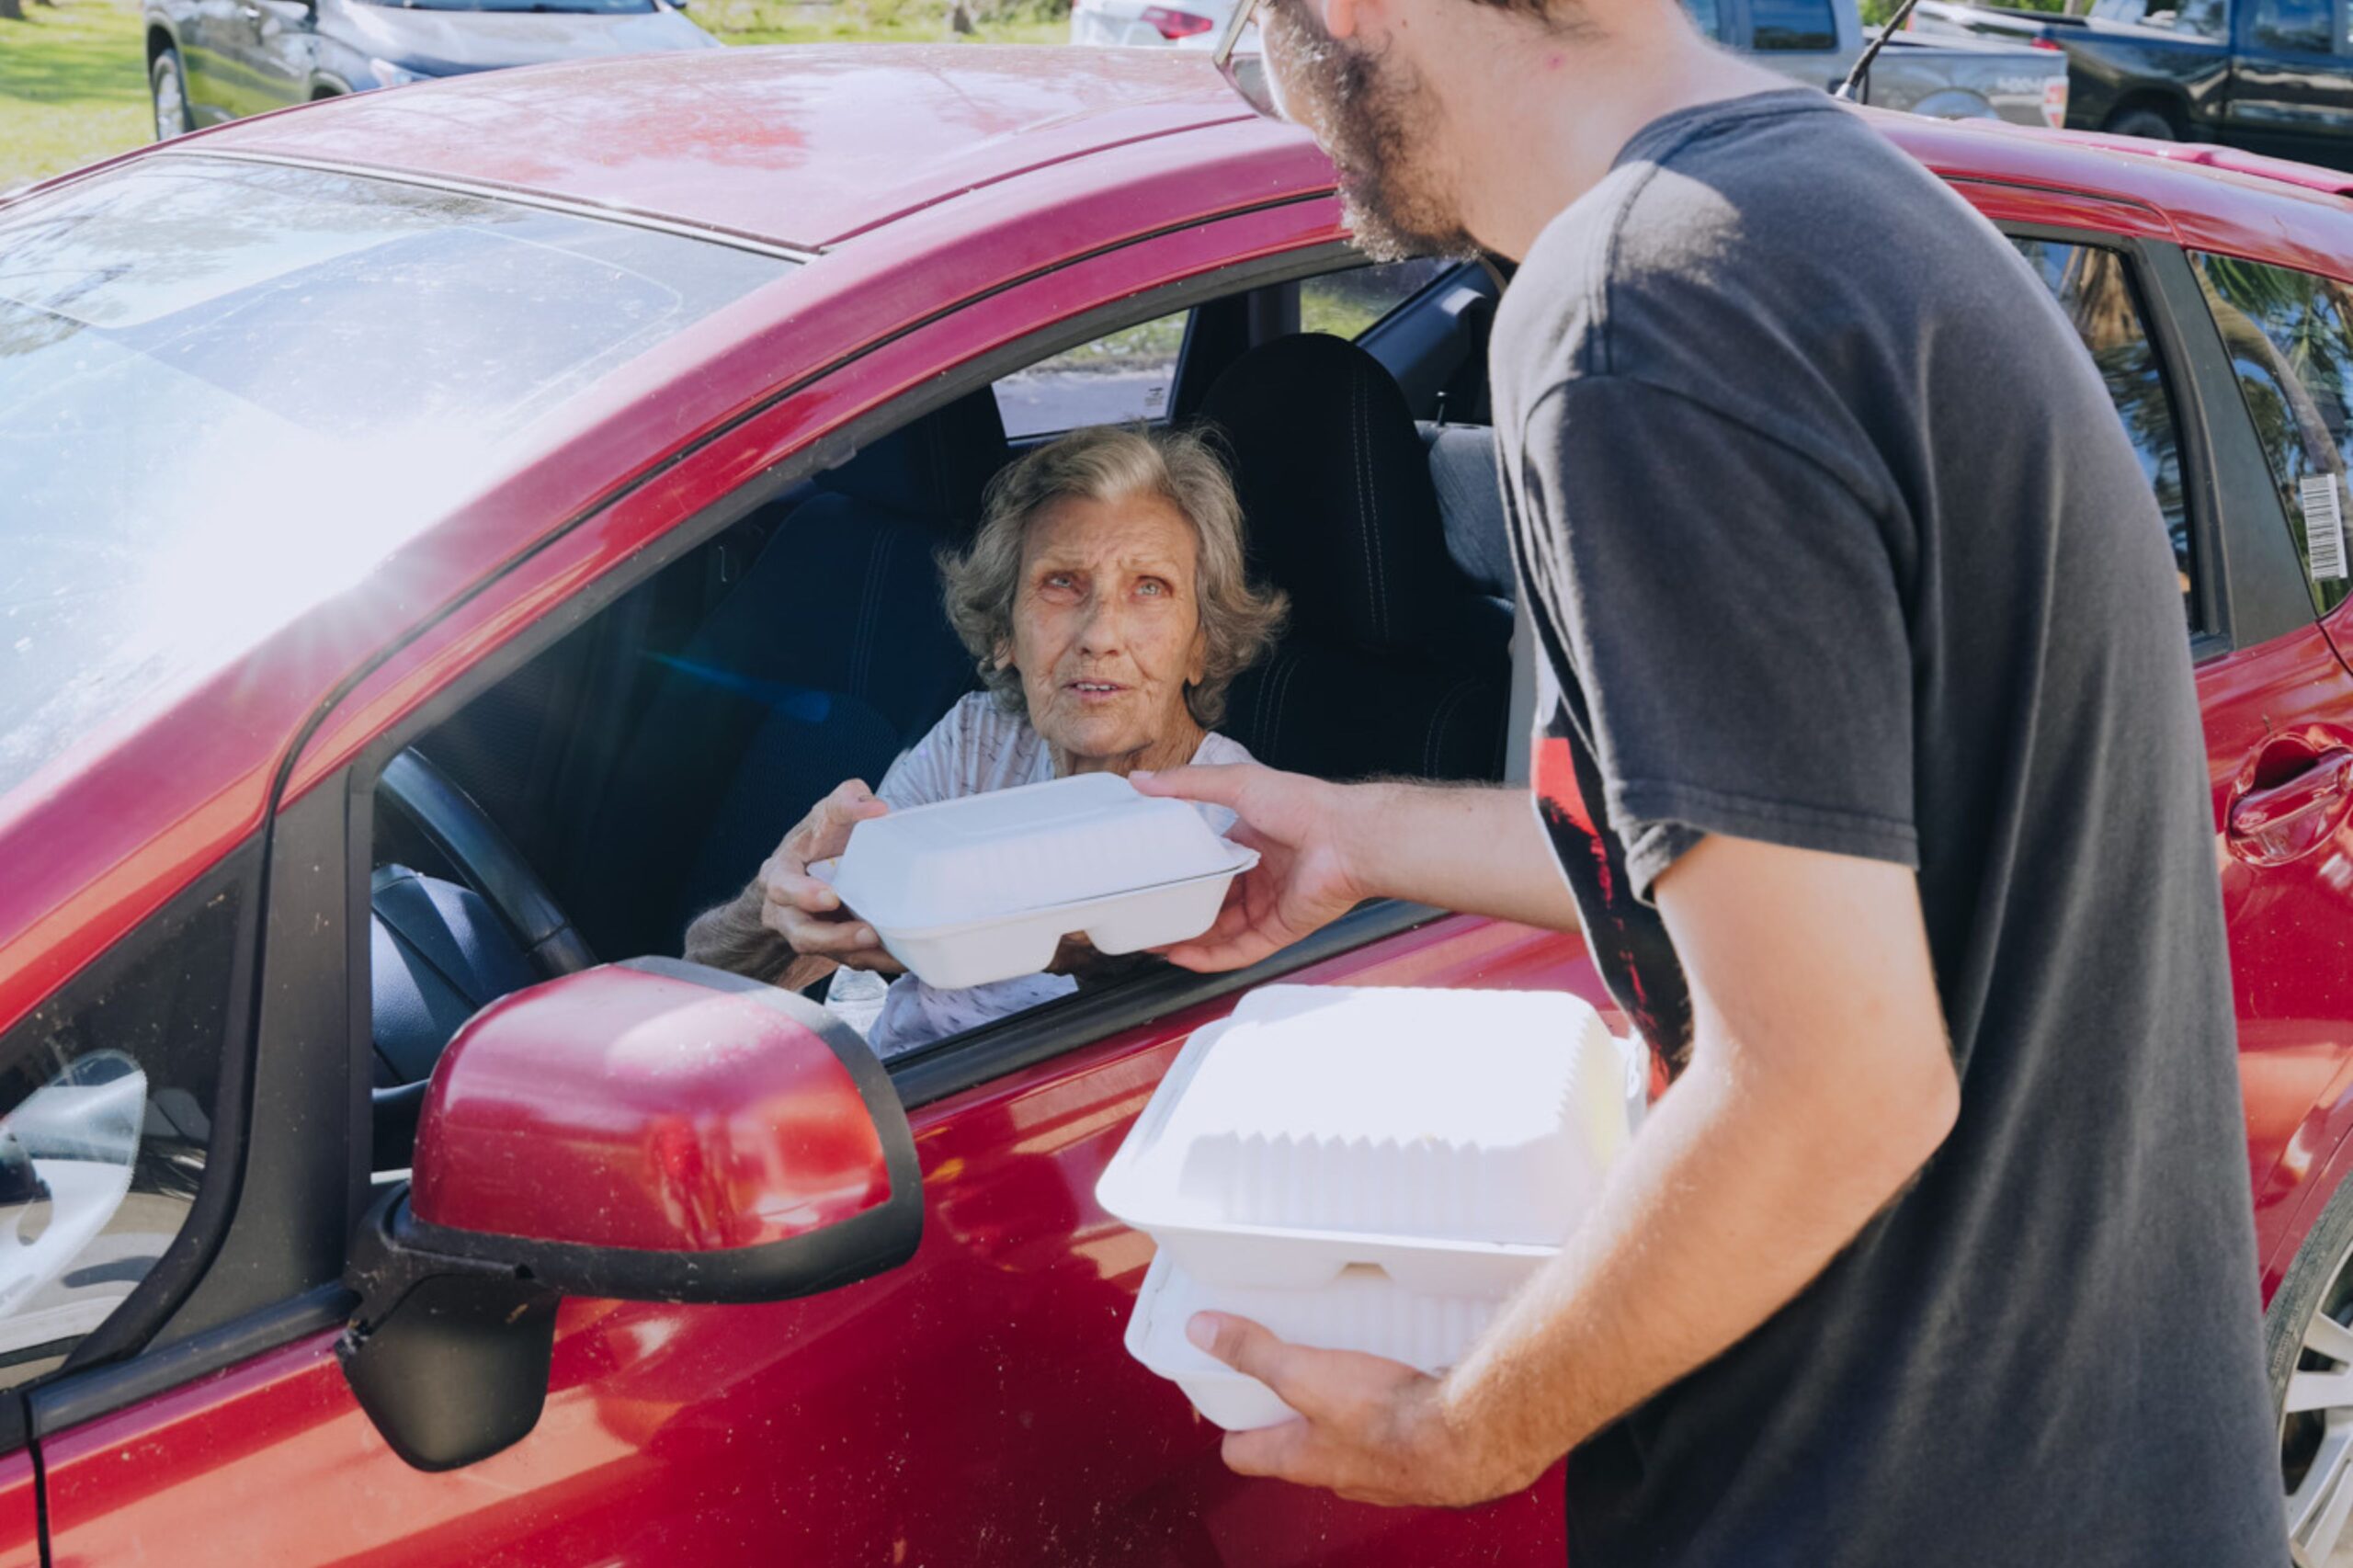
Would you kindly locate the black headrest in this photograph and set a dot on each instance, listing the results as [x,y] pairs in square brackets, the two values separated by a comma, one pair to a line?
[1335,484]
[934,469]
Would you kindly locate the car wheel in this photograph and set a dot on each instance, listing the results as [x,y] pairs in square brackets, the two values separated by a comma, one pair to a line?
[2309,1335]
[2149,124]
[168,84]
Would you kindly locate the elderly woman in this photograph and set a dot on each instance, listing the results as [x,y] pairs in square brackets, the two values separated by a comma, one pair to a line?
[1106,602]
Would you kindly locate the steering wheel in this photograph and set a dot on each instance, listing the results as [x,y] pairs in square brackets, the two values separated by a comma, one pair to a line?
[486,861]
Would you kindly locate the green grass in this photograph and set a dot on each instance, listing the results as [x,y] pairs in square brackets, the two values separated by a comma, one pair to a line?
[72,87]
[870,21]
[74,83]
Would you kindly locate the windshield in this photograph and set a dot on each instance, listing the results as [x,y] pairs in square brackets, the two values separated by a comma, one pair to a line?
[227,389]
[587,7]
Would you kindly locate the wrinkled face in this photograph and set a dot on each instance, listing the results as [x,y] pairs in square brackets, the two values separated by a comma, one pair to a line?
[1107,627]
[1371,115]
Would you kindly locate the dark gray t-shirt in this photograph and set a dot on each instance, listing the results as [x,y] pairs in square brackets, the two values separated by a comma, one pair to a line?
[1834,540]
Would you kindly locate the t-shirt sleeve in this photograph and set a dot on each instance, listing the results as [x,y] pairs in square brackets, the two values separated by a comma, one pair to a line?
[1733,613]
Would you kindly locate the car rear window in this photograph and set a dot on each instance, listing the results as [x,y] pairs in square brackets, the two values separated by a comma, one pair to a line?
[2204,17]
[228,388]
[1794,24]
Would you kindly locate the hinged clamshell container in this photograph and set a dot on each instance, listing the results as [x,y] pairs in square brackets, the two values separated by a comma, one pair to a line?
[984,888]
[1451,1138]
[1360,1309]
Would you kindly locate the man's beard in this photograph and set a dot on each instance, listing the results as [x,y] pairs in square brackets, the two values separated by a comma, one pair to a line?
[1362,108]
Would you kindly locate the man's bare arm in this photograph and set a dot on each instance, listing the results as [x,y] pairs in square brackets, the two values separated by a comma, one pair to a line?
[1820,1081]
[1326,847]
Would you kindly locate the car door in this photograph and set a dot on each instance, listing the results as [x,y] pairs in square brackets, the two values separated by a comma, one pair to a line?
[260,53]
[2277,701]
[209,34]
[2287,336]
[2291,80]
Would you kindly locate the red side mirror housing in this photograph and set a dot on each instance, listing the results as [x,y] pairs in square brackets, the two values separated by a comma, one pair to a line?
[649,1131]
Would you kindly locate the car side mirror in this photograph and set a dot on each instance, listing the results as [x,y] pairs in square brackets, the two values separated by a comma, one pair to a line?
[648,1130]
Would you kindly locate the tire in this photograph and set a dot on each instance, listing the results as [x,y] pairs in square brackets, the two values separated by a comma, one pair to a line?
[167,90]
[2308,1342]
[2149,124]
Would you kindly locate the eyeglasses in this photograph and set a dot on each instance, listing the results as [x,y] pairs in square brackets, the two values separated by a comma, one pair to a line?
[1245,74]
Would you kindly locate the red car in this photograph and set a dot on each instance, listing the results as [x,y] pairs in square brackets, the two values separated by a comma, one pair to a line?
[450,532]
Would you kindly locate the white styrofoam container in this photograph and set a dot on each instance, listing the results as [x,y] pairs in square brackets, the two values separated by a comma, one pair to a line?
[1361,1310]
[983,857]
[984,888]
[1452,1137]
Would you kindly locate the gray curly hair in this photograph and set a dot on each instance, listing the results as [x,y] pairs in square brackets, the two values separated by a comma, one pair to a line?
[1110,463]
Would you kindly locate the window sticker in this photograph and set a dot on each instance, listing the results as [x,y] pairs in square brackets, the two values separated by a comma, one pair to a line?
[2323,526]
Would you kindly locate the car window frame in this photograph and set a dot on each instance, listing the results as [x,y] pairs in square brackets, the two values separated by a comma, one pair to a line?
[2244,39]
[976,1055]
[228,1285]
[1838,39]
[2210,635]
[2191,258]
[2228,588]
[2259,585]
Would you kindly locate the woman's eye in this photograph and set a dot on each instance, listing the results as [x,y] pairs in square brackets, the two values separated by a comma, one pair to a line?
[1059,580]
[1153,585]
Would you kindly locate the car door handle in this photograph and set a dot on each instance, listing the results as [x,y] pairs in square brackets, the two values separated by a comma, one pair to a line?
[2294,817]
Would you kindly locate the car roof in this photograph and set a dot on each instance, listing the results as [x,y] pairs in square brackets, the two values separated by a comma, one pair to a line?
[798,146]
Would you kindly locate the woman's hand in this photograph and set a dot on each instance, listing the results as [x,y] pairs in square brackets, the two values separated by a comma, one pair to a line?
[1304,880]
[802,910]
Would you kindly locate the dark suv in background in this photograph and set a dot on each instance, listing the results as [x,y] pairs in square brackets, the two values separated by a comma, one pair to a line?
[213,60]
[2273,77]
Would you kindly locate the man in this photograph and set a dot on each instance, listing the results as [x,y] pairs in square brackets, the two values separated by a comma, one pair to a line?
[1871,753]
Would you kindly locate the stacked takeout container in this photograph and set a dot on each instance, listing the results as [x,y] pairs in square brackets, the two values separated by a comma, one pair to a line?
[985,887]
[1363,1169]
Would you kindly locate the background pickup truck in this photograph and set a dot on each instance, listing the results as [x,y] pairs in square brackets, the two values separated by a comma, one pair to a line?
[1955,76]
[2273,77]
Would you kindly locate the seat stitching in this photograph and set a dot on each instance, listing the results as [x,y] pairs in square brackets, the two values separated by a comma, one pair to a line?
[1278,683]
[1372,495]
[1282,709]
[869,612]
[1437,723]
[1367,511]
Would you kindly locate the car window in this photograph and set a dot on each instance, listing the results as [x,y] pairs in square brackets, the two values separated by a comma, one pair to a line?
[1348,304]
[2290,340]
[229,385]
[1121,378]
[2204,17]
[2093,286]
[1792,24]
[1709,15]
[2300,26]
[106,1122]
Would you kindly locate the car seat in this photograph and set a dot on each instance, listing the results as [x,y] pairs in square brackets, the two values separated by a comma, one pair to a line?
[1397,659]
[829,658]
